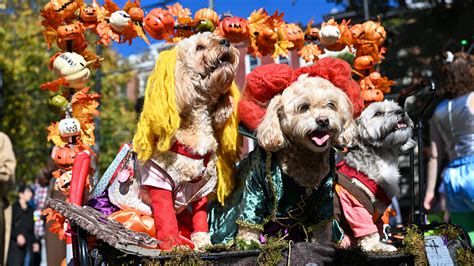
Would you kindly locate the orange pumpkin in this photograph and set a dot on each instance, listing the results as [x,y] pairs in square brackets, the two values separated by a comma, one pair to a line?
[64,157]
[357,30]
[294,34]
[234,28]
[207,14]
[63,8]
[159,23]
[372,96]
[364,62]
[69,32]
[63,183]
[88,14]
[267,37]
[136,14]
[374,32]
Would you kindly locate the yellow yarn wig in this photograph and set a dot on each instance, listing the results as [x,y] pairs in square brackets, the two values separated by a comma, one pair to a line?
[159,121]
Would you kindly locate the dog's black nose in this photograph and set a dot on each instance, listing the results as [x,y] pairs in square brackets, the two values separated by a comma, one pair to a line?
[225,42]
[400,112]
[322,121]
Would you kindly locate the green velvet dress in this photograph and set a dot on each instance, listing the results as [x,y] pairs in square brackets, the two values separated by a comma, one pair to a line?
[268,200]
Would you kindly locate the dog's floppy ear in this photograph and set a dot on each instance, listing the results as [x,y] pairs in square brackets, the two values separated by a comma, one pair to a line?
[349,128]
[269,133]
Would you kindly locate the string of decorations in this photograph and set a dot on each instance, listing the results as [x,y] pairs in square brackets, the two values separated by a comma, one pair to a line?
[67,23]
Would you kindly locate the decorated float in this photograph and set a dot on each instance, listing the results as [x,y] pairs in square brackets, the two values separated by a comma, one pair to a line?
[97,230]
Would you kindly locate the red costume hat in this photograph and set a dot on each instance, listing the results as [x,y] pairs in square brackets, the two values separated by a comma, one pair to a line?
[266,81]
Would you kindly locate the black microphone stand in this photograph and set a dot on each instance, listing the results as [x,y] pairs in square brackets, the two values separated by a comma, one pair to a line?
[404,94]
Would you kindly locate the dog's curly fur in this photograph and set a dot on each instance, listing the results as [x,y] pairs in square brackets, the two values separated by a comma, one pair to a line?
[290,124]
[205,70]
[383,130]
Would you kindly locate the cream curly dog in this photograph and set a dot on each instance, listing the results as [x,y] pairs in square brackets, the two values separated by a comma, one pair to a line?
[299,127]
[186,140]
[369,175]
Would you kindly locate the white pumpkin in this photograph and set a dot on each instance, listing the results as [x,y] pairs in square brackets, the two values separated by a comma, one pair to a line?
[73,67]
[69,127]
[329,34]
[119,20]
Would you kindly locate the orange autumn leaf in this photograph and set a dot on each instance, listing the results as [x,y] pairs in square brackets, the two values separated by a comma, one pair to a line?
[129,5]
[55,84]
[141,33]
[84,105]
[258,16]
[57,222]
[53,135]
[282,48]
[128,33]
[87,133]
[50,35]
[177,10]
[275,21]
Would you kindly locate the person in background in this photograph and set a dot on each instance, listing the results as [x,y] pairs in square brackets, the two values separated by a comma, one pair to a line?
[22,236]
[7,178]
[41,188]
[452,137]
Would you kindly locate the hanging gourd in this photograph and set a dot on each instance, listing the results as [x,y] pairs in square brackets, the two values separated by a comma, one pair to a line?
[294,34]
[159,23]
[119,20]
[234,28]
[72,67]
[64,157]
[69,127]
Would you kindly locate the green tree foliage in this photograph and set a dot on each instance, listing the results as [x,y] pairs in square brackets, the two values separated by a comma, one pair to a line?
[24,114]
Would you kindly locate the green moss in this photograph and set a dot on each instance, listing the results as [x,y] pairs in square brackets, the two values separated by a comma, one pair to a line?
[271,252]
[449,232]
[464,256]
[414,244]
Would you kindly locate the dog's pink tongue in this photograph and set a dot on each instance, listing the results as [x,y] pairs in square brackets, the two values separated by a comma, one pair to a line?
[320,140]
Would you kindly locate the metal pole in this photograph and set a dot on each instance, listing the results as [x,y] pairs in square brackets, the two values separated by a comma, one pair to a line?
[366,10]
[211,4]
[411,217]
[98,89]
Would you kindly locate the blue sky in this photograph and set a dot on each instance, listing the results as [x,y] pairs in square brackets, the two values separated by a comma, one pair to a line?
[295,11]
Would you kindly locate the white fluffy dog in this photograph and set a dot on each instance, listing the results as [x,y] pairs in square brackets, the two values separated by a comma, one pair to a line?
[383,130]
[299,127]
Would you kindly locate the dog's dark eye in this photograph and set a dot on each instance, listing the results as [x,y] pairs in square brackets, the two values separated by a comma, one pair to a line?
[331,105]
[200,47]
[379,114]
[303,108]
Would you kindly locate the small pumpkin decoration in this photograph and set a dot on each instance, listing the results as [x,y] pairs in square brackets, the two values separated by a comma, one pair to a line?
[234,28]
[357,30]
[69,32]
[64,157]
[69,127]
[159,23]
[119,20]
[372,95]
[364,62]
[374,31]
[137,14]
[63,183]
[89,14]
[329,34]
[294,34]
[207,14]
[267,37]
[63,8]
[73,67]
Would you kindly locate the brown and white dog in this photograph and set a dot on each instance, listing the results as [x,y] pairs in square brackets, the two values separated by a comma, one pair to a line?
[369,175]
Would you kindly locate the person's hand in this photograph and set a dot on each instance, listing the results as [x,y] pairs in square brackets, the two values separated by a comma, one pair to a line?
[20,240]
[36,248]
[429,200]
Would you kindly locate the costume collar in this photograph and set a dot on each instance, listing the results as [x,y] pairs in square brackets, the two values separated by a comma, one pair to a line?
[184,150]
[369,183]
